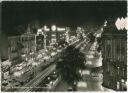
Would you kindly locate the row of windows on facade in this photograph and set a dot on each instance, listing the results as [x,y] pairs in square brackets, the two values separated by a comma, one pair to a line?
[115,49]
[15,39]
[15,52]
[19,52]
[15,48]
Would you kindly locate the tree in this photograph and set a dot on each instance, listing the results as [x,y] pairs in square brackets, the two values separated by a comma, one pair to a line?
[99,43]
[70,64]
[91,37]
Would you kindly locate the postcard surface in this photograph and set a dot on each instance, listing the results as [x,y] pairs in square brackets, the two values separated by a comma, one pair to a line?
[63,46]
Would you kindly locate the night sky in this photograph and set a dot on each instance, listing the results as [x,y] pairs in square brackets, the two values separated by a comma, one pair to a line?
[60,13]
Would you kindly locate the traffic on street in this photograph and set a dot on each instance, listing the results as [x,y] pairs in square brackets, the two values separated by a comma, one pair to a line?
[51,46]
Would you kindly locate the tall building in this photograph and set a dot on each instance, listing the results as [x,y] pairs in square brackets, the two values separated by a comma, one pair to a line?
[39,40]
[114,53]
[20,45]
[28,44]
[14,49]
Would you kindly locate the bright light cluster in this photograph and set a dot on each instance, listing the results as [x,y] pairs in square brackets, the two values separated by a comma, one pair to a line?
[122,23]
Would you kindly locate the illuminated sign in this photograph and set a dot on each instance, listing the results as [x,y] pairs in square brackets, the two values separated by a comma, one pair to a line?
[46,29]
[53,28]
[39,30]
[122,23]
[60,29]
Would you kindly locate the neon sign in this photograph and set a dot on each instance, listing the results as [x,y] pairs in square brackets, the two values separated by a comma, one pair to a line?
[122,23]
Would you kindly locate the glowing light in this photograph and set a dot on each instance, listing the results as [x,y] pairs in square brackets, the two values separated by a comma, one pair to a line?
[39,31]
[34,64]
[102,29]
[17,74]
[79,28]
[86,72]
[126,23]
[82,84]
[53,35]
[122,80]
[90,56]
[53,40]
[46,58]
[61,29]
[46,29]
[89,63]
[53,53]
[118,24]
[53,28]
[122,23]
[105,23]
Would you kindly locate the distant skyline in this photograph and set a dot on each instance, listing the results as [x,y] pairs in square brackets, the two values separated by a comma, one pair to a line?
[60,13]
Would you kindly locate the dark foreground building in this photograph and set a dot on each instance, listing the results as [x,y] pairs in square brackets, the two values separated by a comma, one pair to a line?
[114,50]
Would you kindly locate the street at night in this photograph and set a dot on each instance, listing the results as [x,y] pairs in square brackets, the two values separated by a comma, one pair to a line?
[63,46]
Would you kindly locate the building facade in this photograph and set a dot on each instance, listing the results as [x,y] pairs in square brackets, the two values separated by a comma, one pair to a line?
[40,39]
[55,34]
[19,46]
[114,46]
[14,50]
[28,44]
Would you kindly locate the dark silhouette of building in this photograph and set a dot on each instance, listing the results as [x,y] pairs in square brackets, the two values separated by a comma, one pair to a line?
[114,53]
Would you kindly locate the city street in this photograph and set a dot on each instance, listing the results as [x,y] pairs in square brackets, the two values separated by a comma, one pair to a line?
[63,46]
[89,82]
[33,83]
